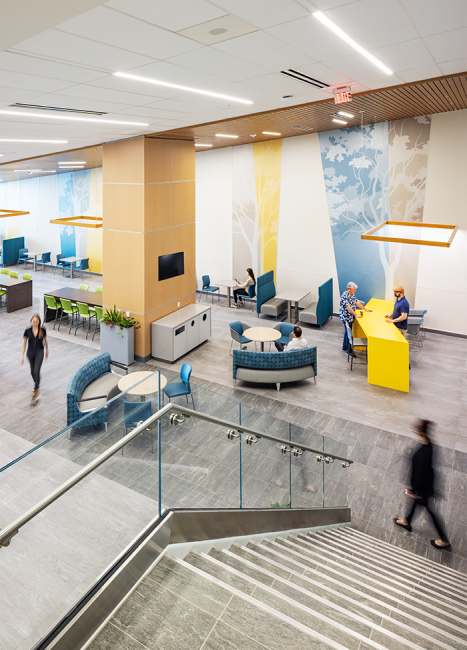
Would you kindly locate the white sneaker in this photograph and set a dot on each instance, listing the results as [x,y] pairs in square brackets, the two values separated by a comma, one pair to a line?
[233,307]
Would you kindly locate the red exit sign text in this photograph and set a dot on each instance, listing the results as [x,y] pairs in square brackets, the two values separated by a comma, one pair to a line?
[343,98]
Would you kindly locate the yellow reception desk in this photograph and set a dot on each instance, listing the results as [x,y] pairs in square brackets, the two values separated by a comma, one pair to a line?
[388,350]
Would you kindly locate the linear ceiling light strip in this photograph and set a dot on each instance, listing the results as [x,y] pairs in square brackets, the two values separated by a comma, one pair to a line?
[74,118]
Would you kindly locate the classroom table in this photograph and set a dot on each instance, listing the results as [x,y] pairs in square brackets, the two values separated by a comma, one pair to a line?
[228,284]
[262,335]
[90,298]
[388,349]
[18,292]
[35,256]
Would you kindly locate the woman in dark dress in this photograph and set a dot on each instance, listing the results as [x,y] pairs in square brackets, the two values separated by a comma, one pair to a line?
[423,484]
[35,337]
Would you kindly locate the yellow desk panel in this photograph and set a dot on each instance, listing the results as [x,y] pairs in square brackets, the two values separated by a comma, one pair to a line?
[388,350]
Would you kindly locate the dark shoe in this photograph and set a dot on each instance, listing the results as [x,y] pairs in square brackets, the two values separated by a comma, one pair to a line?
[406,526]
[352,354]
[440,548]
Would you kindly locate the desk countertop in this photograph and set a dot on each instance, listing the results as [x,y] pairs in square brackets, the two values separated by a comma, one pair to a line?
[374,324]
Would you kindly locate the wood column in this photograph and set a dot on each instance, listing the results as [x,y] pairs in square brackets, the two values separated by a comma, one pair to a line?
[148,210]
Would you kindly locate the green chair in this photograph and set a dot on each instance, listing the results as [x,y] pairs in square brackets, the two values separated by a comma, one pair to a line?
[99,317]
[86,313]
[13,274]
[27,276]
[2,293]
[52,304]
[84,287]
[67,308]
[6,271]
[98,289]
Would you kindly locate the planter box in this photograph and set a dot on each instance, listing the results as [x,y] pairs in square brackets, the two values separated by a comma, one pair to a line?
[119,343]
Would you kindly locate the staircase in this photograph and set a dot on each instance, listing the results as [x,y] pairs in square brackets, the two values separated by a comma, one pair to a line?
[336,588]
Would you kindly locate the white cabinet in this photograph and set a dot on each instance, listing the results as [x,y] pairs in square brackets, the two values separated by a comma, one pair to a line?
[179,332]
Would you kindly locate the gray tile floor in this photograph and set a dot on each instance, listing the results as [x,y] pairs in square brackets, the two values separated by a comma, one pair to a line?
[372,423]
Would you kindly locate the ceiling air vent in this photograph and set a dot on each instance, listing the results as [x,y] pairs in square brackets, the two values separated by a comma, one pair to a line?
[304,78]
[303,128]
[57,108]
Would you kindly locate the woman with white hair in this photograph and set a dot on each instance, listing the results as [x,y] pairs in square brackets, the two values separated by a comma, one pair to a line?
[347,312]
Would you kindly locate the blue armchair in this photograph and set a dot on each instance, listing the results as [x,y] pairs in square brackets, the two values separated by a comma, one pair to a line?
[251,294]
[286,330]
[61,263]
[208,288]
[23,257]
[83,266]
[236,333]
[182,387]
[45,259]
[134,413]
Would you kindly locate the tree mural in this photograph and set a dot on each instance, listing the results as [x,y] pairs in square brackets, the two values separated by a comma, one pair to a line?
[246,238]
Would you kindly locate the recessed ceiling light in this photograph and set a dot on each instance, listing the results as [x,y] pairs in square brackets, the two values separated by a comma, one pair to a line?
[73,162]
[339,121]
[186,88]
[39,141]
[252,135]
[270,133]
[337,30]
[74,167]
[202,145]
[35,171]
[74,118]
[344,114]
[225,135]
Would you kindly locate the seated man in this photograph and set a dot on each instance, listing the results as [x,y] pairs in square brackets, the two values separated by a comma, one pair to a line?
[297,343]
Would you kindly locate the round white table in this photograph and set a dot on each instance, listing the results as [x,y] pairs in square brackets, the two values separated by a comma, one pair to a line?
[262,335]
[148,387]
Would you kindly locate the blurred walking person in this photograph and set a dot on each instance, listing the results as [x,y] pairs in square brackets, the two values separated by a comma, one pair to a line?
[35,337]
[423,484]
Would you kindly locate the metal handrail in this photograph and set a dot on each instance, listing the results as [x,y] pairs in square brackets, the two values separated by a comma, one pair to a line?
[286,446]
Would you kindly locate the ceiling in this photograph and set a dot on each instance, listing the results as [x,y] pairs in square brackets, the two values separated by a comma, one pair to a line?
[70,64]
[46,165]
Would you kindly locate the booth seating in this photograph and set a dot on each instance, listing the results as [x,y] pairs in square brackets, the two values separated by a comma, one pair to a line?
[266,302]
[275,367]
[93,380]
[317,313]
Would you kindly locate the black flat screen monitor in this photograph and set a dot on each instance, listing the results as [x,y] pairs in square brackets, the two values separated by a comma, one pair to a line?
[171,265]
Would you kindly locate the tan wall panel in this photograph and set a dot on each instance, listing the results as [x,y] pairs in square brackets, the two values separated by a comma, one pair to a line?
[187,300]
[123,161]
[183,160]
[156,294]
[157,161]
[157,206]
[184,240]
[123,270]
[123,207]
[183,203]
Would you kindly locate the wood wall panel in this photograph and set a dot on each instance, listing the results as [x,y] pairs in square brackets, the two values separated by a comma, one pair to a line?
[183,160]
[184,240]
[156,293]
[157,206]
[123,269]
[123,161]
[157,161]
[123,207]
[143,335]
[183,203]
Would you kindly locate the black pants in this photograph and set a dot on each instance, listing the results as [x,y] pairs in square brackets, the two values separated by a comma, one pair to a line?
[424,503]
[279,346]
[35,361]
[239,292]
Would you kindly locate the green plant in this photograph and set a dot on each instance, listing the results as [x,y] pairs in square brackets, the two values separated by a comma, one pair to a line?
[116,317]
[278,505]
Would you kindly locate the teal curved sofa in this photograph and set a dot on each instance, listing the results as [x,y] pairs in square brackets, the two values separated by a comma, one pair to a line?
[275,367]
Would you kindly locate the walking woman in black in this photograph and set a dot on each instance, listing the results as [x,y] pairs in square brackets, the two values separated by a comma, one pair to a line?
[423,484]
[35,337]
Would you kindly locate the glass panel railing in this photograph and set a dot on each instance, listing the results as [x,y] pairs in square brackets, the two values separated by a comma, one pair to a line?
[335,473]
[308,473]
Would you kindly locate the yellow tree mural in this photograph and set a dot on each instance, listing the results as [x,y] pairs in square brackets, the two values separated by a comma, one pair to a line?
[267,157]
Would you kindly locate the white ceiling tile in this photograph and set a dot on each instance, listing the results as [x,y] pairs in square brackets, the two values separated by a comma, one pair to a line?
[113,28]
[312,38]
[322,72]
[278,84]
[66,101]
[264,13]
[373,23]
[31,82]
[417,74]
[176,74]
[106,95]
[448,45]
[70,48]
[355,66]
[250,92]
[381,81]
[16,94]
[180,106]
[324,5]
[32,65]
[218,30]
[173,15]
[220,64]
[404,56]
[431,17]
[151,113]
[451,67]
[265,50]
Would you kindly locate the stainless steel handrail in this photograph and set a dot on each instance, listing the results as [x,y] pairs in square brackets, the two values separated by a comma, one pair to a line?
[10,531]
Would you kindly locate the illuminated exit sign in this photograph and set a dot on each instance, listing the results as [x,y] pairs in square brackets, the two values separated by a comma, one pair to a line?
[342,97]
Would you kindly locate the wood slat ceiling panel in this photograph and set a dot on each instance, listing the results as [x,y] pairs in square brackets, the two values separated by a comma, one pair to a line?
[408,100]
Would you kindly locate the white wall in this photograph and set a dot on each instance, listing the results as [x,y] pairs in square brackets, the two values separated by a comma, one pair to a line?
[214,215]
[442,272]
[305,256]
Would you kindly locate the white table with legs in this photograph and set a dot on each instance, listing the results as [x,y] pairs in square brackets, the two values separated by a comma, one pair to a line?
[71,261]
[292,296]
[262,335]
[229,284]
[134,382]
[35,256]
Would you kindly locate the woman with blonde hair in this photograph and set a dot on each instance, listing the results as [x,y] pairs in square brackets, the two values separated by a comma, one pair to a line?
[35,337]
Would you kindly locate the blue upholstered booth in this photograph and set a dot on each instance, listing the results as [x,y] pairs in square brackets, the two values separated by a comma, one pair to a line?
[275,367]
[266,302]
[318,312]
[10,250]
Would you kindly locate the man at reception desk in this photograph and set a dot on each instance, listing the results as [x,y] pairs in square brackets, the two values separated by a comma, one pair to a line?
[400,312]
[347,313]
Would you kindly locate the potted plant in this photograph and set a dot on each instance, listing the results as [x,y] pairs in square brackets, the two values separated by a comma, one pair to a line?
[118,336]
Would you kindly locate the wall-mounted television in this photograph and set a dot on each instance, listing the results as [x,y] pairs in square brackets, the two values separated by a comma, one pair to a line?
[171,265]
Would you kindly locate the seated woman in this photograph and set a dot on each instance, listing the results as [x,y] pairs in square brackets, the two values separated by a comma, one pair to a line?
[243,288]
